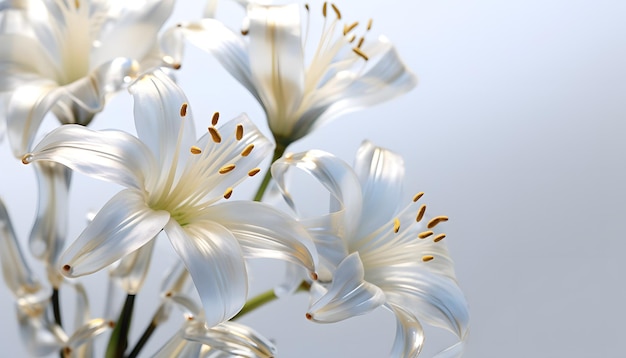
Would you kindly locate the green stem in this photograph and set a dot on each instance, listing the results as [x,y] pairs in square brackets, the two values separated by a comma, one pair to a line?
[278,152]
[119,337]
[144,339]
[265,298]
[56,306]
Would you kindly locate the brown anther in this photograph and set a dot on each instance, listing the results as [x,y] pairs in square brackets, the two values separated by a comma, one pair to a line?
[111,324]
[306,6]
[427,258]
[216,117]
[436,220]
[396,225]
[254,172]
[336,11]
[67,268]
[439,237]
[247,150]
[244,32]
[67,351]
[425,234]
[77,4]
[228,193]
[348,28]
[215,135]
[324,8]
[418,196]
[369,24]
[226,168]
[168,294]
[360,42]
[179,25]
[420,213]
[358,51]
[308,316]
[183,110]
[239,131]
[190,318]
[195,150]
[314,276]
[176,66]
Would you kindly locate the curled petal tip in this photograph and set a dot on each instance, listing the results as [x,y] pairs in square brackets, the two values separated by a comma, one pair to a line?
[314,276]
[309,316]
[27,158]
[66,269]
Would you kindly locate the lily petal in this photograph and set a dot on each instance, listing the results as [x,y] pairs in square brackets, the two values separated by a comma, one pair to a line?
[132,269]
[24,54]
[177,346]
[232,339]
[122,226]
[349,294]
[409,334]
[112,155]
[381,174]
[278,66]
[265,232]
[88,332]
[215,262]
[39,334]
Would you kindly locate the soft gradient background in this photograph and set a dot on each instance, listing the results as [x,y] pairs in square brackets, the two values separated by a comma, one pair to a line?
[516,132]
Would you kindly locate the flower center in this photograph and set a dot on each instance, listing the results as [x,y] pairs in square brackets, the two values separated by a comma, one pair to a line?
[75,40]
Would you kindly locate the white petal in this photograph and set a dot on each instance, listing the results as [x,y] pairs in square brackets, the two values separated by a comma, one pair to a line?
[381,173]
[114,156]
[278,60]
[26,55]
[233,339]
[386,79]
[88,332]
[122,226]
[133,32]
[265,232]
[229,49]
[17,274]
[132,269]
[337,176]
[158,102]
[39,335]
[26,109]
[409,334]
[215,262]
[47,237]
[178,347]
[349,294]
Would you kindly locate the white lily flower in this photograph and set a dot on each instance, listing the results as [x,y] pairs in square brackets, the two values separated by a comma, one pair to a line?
[173,184]
[69,56]
[378,254]
[347,72]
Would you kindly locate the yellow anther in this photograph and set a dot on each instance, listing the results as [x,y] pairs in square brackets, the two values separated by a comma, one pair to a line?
[247,150]
[436,220]
[176,66]
[418,196]
[360,42]
[239,132]
[227,168]
[253,172]
[228,193]
[195,150]
[336,11]
[348,28]
[77,4]
[217,138]
[439,237]
[358,51]
[27,158]
[427,258]
[396,225]
[369,24]
[183,110]
[424,234]
[420,213]
[216,117]
[352,38]
[324,8]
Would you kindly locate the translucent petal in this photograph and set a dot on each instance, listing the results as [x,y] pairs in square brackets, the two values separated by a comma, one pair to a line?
[132,269]
[26,55]
[179,347]
[157,109]
[109,155]
[381,173]
[349,294]
[122,226]
[39,335]
[278,66]
[88,332]
[409,334]
[18,276]
[386,79]
[25,112]
[229,49]
[47,237]
[172,46]
[265,232]
[215,261]
[334,174]
[132,32]
[176,280]
[233,339]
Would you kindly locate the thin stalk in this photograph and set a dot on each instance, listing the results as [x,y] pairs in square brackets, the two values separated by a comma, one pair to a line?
[56,306]
[144,339]
[265,298]
[278,152]
[119,337]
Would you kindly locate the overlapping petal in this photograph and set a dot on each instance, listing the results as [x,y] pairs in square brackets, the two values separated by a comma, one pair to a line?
[123,225]
[231,339]
[409,333]
[215,261]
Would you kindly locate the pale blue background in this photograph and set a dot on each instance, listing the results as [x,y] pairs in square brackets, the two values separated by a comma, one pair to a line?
[516,131]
